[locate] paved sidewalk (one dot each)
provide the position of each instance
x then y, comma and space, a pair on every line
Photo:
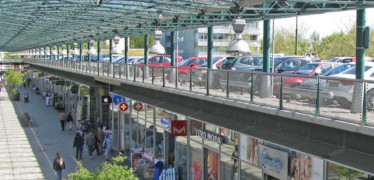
28, 152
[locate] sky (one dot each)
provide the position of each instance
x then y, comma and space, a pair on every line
325, 24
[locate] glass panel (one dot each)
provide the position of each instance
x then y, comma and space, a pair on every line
338, 172
228, 167
194, 126
231, 141
249, 172
212, 131
115, 134
196, 161
181, 148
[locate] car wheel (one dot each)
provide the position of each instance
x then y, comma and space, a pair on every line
370, 100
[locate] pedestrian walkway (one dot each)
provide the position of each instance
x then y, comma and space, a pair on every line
28, 152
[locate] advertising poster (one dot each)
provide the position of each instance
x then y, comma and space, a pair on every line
273, 162
212, 165
249, 149
305, 167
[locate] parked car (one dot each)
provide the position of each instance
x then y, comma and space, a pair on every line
184, 67
342, 90
199, 75
348, 59
244, 63
312, 83
159, 60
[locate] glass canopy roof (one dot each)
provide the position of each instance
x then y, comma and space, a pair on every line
27, 24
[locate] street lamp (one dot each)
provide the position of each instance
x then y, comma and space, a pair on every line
54, 51
92, 50
157, 48
238, 46
75, 49
63, 52
116, 49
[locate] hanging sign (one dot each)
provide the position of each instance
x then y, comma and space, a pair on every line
123, 106
106, 99
179, 128
165, 122
74, 89
209, 136
138, 106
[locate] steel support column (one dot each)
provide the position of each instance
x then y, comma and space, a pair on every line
146, 68
98, 57
127, 69
265, 86
172, 58
210, 59
110, 50
360, 63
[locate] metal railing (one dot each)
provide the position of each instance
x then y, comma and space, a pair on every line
341, 99
10, 61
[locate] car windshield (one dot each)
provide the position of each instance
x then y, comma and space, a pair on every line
338, 69
352, 70
333, 59
276, 61
228, 63
306, 69
186, 62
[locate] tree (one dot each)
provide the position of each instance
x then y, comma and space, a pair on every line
348, 173
14, 78
138, 41
109, 171
9, 56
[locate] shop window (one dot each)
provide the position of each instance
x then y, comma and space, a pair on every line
115, 130
213, 137
181, 150
335, 171
196, 161
249, 172
230, 142
229, 167
211, 164
195, 127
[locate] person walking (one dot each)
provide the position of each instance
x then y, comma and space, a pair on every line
100, 138
78, 144
107, 146
58, 165
69, 120
90, 142
61, 117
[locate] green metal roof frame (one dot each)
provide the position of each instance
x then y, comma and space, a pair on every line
27, 24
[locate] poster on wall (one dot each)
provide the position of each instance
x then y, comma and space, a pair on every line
212, 164
249, 149
305, 167
273, 162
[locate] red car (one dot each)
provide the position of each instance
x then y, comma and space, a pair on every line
192, 62
311, 69
161, 60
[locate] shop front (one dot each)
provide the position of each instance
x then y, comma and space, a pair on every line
203, 151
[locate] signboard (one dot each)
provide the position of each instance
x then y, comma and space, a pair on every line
165, 122
106, 99
305, 166
209, 136
138, 106
249, 149
179, 128
123, 106
273, 162
60, 82
74, 89
117, 99
83, 92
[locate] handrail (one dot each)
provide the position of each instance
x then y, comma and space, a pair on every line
350, 100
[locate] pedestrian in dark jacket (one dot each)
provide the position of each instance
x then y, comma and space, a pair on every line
69, 120
58, 165
78, 144
90, 142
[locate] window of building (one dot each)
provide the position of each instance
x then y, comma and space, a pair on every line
252, 25
253, 37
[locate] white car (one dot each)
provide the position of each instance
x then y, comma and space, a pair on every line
342, 90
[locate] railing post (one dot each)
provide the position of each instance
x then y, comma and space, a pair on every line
113, 72
134, 72
153, 76
228, 85
207, 82
251, 98
281, 95
176, 76
163, 76
191, 80
364, 105
119, 70
318, 99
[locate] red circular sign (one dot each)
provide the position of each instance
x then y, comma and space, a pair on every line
138, 106
123, 106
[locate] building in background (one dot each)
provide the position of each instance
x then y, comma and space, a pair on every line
194, 42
